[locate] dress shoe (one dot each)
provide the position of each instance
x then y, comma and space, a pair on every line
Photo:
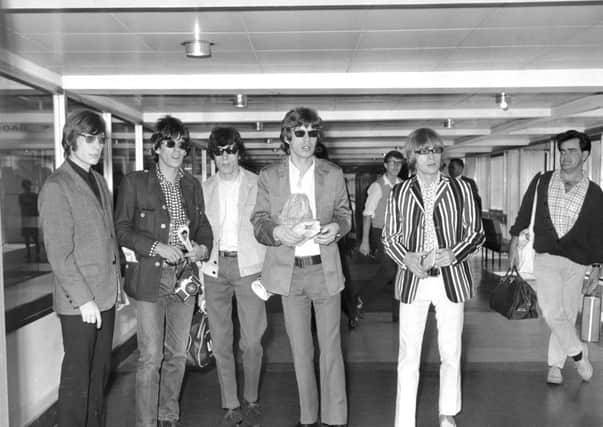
307, 425
554, 376
333, 425
165, 423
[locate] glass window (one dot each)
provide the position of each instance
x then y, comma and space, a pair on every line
26, 160
123, 151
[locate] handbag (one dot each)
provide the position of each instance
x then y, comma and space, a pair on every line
513, 297
199, 349
525, 247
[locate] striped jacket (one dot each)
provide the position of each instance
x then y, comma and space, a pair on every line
458, 226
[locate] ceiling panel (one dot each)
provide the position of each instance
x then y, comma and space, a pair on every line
415, 39
519, 36
588, 36
178, 22
544, 16
304, 41
85, 43
59, 23
432, 18
304, 20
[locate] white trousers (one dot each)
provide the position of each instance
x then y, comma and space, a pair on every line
559, 290
449, 316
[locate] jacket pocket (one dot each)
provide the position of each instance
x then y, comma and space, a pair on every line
131, 278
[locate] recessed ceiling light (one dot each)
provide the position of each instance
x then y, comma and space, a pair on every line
448, 123
259, 126
197, 48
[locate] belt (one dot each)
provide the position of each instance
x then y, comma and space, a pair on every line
306, 261
230, 254
433, 272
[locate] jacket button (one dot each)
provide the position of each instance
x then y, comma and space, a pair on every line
213, 272
157, 264
163, 207
162, 225
142, 214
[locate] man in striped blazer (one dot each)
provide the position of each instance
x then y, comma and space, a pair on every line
432, 226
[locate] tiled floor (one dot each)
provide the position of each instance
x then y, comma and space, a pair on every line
503, 373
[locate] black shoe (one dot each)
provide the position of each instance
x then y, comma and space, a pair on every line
164, 423
307, 425
334, 425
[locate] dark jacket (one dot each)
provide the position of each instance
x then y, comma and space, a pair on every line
583, 243
142, 217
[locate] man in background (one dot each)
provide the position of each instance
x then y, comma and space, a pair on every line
374, 220
455, 170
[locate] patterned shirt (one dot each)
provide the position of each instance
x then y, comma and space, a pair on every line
565, 206
172, 192
428, 191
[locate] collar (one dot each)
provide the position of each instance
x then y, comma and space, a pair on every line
162, 178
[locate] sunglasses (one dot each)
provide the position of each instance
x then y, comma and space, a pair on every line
90, 139
430, 150
228, 149
301, 132
182, 145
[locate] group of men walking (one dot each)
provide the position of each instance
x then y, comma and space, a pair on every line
425, 228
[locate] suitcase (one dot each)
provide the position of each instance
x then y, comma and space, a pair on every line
591, 318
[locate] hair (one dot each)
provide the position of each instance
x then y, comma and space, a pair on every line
168, 127
83, 121
222, 136
393, 154
419, 138
300, 116
26, 184
457, 161
573, 134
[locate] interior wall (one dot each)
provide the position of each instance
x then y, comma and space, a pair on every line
35, 353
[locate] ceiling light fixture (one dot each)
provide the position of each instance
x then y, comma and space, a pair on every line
448, 123
197, 48
259, 126
503, 100
240, 101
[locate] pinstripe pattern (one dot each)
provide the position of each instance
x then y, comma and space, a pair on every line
458, 227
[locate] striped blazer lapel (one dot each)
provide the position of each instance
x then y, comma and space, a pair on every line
415, 191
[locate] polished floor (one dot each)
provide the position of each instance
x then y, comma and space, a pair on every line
504, 371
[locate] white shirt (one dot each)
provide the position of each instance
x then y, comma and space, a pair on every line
229, 213
374, 194
304, 184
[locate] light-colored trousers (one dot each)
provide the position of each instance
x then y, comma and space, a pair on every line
559, 290
449, 316
308, 288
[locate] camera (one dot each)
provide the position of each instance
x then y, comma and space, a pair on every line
187, 287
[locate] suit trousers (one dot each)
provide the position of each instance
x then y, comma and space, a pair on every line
162, 330
559, 290
251, 312
413, 316
308, 288
85, 370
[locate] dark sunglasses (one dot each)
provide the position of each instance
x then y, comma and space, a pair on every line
301, 132
90, 139
183, 145
438, 149
228, 149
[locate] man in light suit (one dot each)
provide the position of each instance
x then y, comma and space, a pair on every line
235, 261
76, 211
305, 272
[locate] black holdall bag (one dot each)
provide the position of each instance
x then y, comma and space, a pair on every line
199, 351
513, 297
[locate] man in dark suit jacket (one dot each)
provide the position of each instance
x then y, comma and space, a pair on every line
455, 170
306, 269
151, 206
76, 211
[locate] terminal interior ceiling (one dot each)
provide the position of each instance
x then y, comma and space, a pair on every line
375, 70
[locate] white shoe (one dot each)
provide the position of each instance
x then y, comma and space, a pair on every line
585, 369
447, 421
554, 376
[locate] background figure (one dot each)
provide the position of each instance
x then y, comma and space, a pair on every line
350, 296
28, 202
455, 170
374, 220
151, 207
568, 238
432, 226
307, 273
236, 261
77, 219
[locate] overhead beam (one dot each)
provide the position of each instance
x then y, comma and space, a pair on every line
515, 81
